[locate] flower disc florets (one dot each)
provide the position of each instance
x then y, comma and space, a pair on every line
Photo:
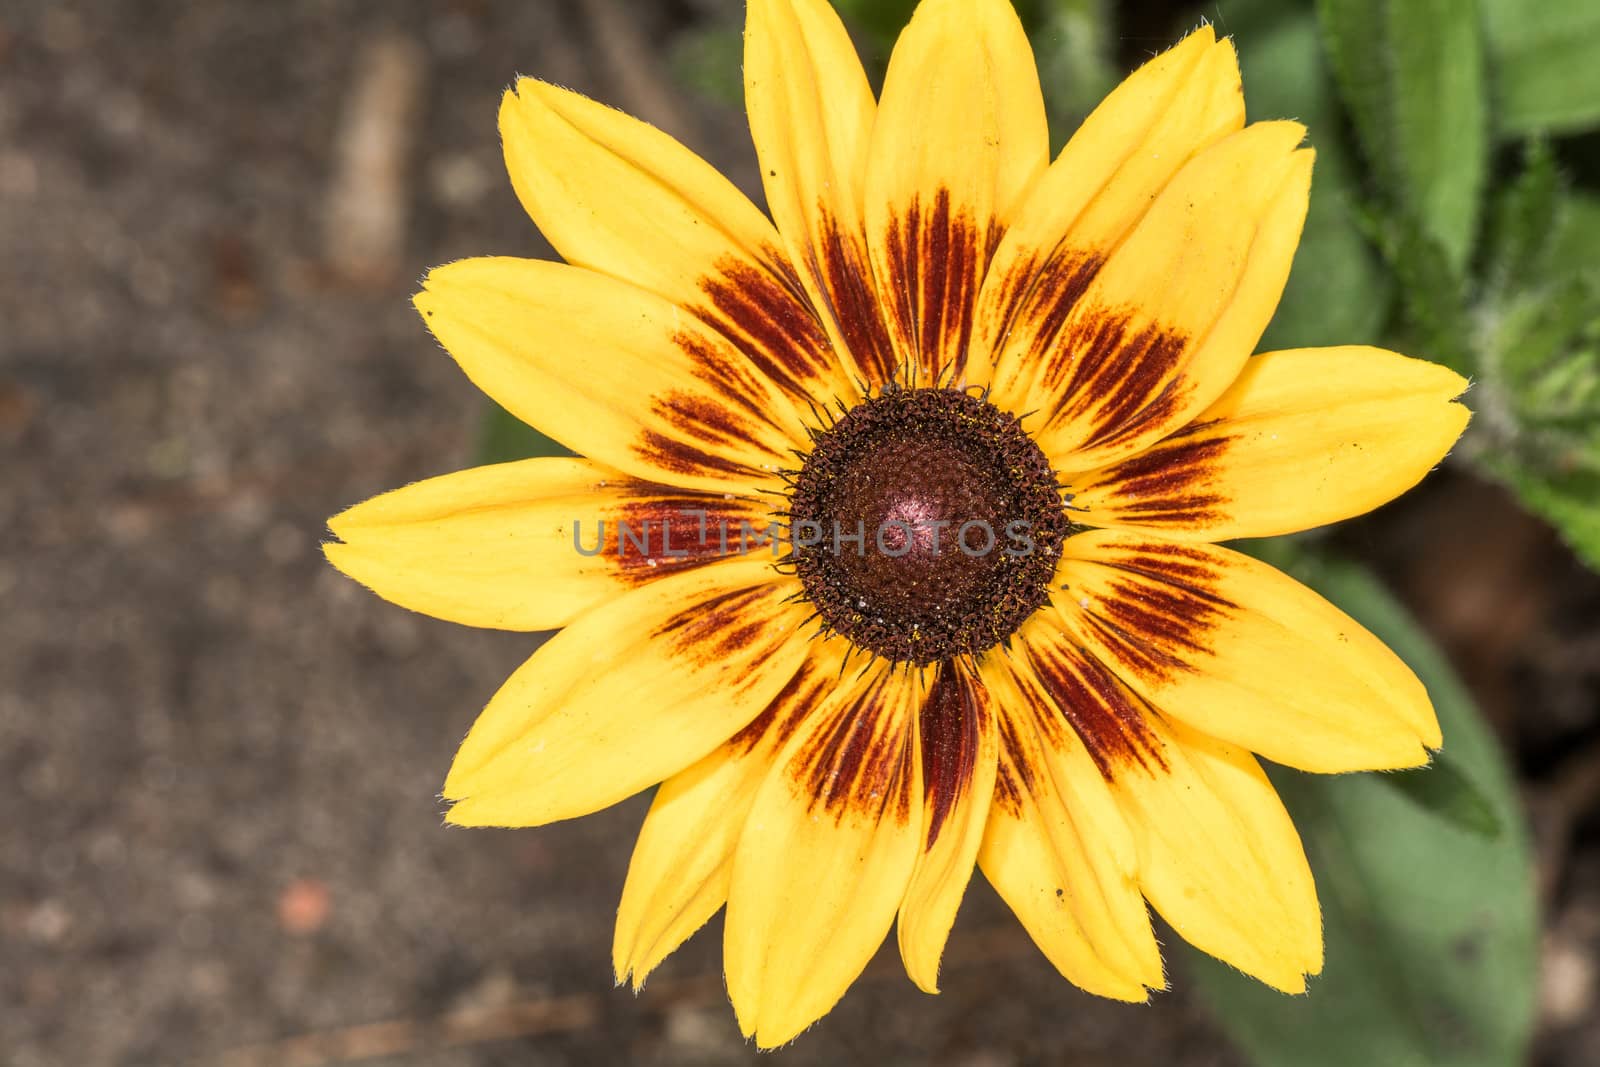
926, 524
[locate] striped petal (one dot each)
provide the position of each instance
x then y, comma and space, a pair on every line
939, 192
617, 195
683, 861
1235, 648
957, 746
1213, 848
811, 116
612, 372
529, 545
1303, 438
825, 857
1219, 857
1100, 186
1057, 849
1127, 352
629, 695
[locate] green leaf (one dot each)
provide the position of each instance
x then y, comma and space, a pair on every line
1523, 221
1353, 36
1441, 116
1412, 75
1433, 296
1338, 292
1538, 395
1545, 61
1546, 354
1431, 929
502, 437
1443, 789
1577, 236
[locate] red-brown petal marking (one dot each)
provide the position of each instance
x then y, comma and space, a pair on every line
777, 722
764, 311
936, 259
1077, 693
1121, 375
1015, 775
1171, 483
858, 760
1110, 367
1046, 293
1158, 610
951, 731
726, 624
663, 530
845, 274
707, 426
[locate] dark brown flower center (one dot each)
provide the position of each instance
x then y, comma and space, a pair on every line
926, 524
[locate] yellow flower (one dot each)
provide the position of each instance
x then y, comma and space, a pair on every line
940, 332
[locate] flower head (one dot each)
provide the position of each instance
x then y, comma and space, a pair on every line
892, 553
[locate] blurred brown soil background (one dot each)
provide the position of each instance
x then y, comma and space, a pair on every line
223, 843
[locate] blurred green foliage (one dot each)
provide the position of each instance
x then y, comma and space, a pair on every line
1543, 55
1453, 105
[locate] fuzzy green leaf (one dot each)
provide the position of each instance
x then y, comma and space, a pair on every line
1523, 221
1539, 339
1546, 352
1354, 35
1432, 293
1412, 75
1441, 116
1431, 929
1545, 59
1575, 247
1338, 292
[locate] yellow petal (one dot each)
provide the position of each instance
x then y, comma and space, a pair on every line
683, 861
957, 746
1233, 647
1101, 185
612, 372
1220, 859
619, 196
825, 857
629, 695
1057, 849
1162, 328
1303, 438
960, 137
528, 545
811, 116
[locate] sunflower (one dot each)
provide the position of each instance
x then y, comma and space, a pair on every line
893, 550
